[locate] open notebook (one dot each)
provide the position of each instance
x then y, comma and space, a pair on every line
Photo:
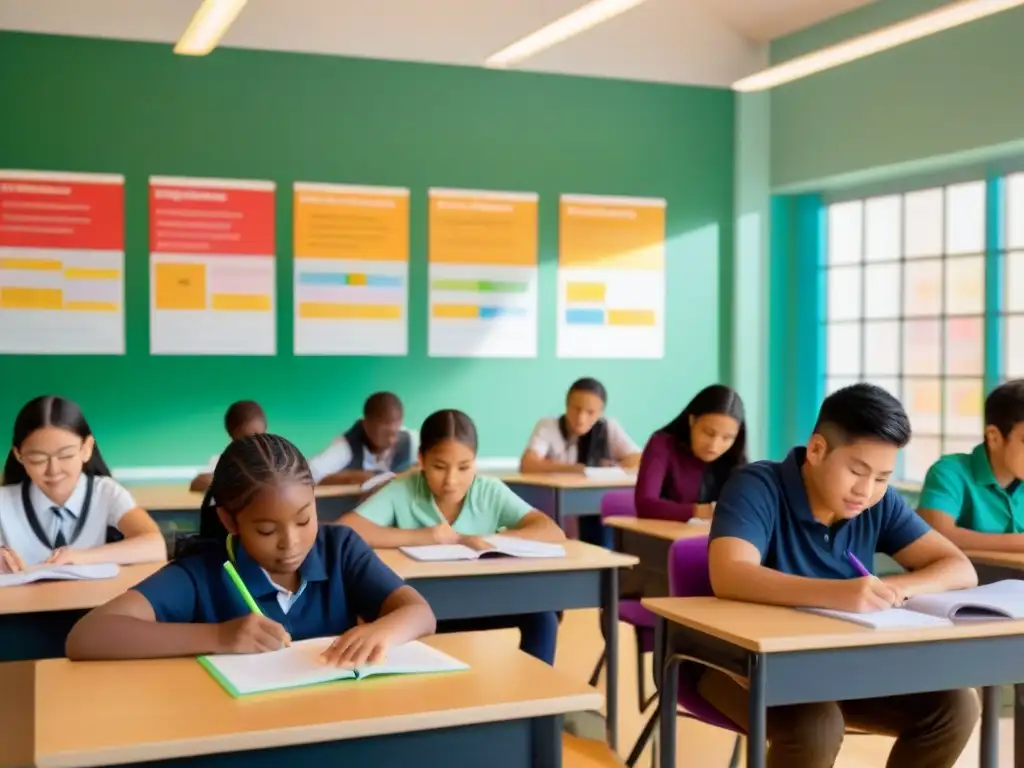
299, 665
504, 546
60, 573
999, 600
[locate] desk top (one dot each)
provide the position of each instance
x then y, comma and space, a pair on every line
48, 596
578, 557
669, 530
129, 717
157, 498
1002, 559
568, 481
771, 629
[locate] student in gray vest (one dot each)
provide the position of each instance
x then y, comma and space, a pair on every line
375, 444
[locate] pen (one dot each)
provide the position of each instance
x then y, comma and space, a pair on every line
857, 564
242, 589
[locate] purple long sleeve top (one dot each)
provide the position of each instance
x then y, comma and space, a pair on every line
668, 482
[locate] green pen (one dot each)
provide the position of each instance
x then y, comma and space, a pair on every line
242, 589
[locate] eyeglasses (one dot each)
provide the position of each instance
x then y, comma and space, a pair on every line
40, 459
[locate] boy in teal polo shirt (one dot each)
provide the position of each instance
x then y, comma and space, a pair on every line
977, 499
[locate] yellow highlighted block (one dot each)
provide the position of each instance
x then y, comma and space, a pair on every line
631, 317
41, 265
589, 292
595, 235
351, 225
92, 306
31, 298
81, 273
357, 279
324, 310
243, 302
456, 311
180, 286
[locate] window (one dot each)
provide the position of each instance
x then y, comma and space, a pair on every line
1013, 279
905, 309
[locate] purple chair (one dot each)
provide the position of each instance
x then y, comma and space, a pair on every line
619, 503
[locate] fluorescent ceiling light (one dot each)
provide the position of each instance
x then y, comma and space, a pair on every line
583, 18
208, 26
939, 20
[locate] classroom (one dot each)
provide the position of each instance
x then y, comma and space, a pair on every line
397, 350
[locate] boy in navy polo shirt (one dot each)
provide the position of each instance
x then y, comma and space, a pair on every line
780, 534
308, 582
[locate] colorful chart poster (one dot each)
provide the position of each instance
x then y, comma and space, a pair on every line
482, 256
61, 263
611, 277
212, 266
351, 270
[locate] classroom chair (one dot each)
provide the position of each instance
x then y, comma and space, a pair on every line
620, 503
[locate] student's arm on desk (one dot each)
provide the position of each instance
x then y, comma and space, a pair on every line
374, 520
201, 482
650, 479
347, 477
143, 543
533, 463
514, 516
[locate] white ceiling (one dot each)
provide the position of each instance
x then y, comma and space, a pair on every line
702, 42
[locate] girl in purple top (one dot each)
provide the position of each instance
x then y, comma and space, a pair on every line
686, 462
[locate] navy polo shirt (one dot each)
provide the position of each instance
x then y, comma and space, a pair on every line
340, 579
765, 503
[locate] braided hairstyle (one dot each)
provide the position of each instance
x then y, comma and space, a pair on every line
247, 466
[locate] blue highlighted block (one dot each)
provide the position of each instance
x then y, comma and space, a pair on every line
585, 316
323, 278
492, 313
383, 281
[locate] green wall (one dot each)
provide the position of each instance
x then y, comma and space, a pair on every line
133, 108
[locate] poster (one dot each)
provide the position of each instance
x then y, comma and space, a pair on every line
351, 270
61, 263
611, 277
212, 264
482, 254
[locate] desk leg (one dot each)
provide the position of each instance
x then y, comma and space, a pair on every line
1018, 725
757, 730
990, 706
610, 599
667, 703
547, 742
559, 508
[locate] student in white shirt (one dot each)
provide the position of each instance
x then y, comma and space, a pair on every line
582, 437
59, 501
243, 418
376, 444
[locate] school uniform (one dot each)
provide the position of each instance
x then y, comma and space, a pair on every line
490, 506
963, 486
352, 451
34, 526
340, 580
766, 505
671, 481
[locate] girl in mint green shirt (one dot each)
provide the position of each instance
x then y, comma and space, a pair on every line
446, 502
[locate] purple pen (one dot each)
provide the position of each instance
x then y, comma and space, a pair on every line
857, 564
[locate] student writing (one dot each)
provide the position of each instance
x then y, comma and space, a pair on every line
376, 443
448, 503
243, 418
976, 499
779, 535
59, 501
686, 462
308, 581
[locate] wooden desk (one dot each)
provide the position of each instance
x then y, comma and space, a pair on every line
649, 541
792, 657
35, 619
587, 577
996, 566
506, 711
564, 496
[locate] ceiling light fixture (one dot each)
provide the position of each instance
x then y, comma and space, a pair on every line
939, 20
208, 26
583, 18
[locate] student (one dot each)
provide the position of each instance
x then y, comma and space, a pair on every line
780, 534
308, 581
448, 503
244, 418
582, 437
686, 462
375, 444
59, 500
976, 499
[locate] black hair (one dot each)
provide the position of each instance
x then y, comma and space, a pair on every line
863, 411
717, 398
448, 424
1004, 406
241, 413
247, 466
381, 404
592, 448
591, 385
50, 411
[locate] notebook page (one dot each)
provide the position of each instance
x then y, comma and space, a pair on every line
291, 667
606, 473
1001, 599
893, 618
440, 552
411, 658
516, 547
84, 572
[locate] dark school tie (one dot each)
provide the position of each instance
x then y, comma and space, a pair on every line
59, 540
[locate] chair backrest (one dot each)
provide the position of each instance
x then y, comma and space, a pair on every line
688, 568
618, 503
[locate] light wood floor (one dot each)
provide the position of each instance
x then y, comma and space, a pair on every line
701, 746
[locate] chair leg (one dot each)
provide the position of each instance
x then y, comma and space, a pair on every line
596, 674
641, 742
641, 685
737, 752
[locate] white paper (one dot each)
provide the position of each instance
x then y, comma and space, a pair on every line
504, 546
999, 600
84, 572
892, 618
607, 473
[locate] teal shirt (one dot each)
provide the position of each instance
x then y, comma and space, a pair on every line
962, 485
407, 503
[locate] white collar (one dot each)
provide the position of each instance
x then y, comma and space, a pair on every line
73, 506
